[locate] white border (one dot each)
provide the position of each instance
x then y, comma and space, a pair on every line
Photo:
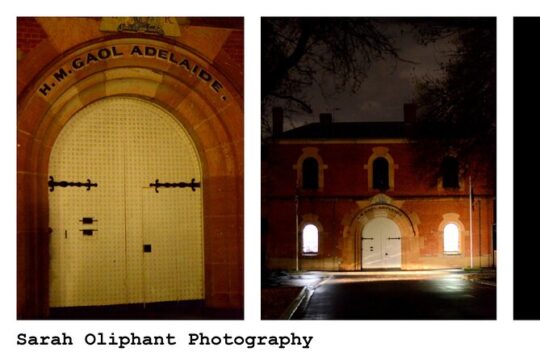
357, 339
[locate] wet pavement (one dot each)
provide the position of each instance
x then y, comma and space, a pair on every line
415, 295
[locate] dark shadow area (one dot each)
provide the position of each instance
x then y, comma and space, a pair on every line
276, 300
526, 248
183, 310
279, 289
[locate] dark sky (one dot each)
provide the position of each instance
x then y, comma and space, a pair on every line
390, 83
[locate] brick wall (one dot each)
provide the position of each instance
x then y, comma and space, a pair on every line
234, 47
29, 33
346, 174
222, 22
338, 204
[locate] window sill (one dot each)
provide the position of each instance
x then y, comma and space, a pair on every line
310, 191
452, 253
310, 254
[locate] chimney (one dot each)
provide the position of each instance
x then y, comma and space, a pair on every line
326, 123
409, 113
277, 121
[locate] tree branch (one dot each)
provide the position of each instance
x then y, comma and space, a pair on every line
283, 68
300, 102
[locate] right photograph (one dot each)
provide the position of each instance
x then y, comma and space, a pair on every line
525, 244
378, 169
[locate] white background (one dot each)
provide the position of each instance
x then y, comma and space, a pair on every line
503, 338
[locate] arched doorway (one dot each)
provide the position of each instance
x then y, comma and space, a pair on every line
117, 236
213, 117
381, 244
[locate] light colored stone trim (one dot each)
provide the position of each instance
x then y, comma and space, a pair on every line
308, 152
355, 222
381, 151
310, 219
451, 218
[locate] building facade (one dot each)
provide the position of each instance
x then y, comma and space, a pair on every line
350, 196
129, 162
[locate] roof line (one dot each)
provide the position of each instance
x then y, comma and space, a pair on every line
342, 141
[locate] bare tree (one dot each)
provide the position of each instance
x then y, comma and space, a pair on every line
457, 112
298, 52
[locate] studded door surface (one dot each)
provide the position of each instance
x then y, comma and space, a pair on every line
391, 238
123, 145
371, 248
381, 244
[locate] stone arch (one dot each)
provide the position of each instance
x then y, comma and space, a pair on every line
452, 218
310, 152
311, 219
354, 224
381, 152
213, 119
451, 157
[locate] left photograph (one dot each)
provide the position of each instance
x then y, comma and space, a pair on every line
130, 168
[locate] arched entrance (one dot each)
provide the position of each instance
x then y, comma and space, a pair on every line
384, 225
122, 239
381, 244
205, 107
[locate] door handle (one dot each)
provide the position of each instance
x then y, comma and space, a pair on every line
88, 220
52, 184
191, 185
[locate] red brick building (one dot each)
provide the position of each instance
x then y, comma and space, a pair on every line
129, 162
349, 196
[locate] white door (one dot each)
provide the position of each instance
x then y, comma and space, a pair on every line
381, 244
119, 240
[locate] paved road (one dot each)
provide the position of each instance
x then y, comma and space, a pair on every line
342, 297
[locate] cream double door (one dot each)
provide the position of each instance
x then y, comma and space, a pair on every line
115, 239
381, 244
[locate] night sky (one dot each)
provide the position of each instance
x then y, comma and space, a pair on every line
390, 83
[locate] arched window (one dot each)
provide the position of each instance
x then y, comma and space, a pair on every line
310, 240
451, 238
381, 170
450, 172
310, 174
310, 170
380, 173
